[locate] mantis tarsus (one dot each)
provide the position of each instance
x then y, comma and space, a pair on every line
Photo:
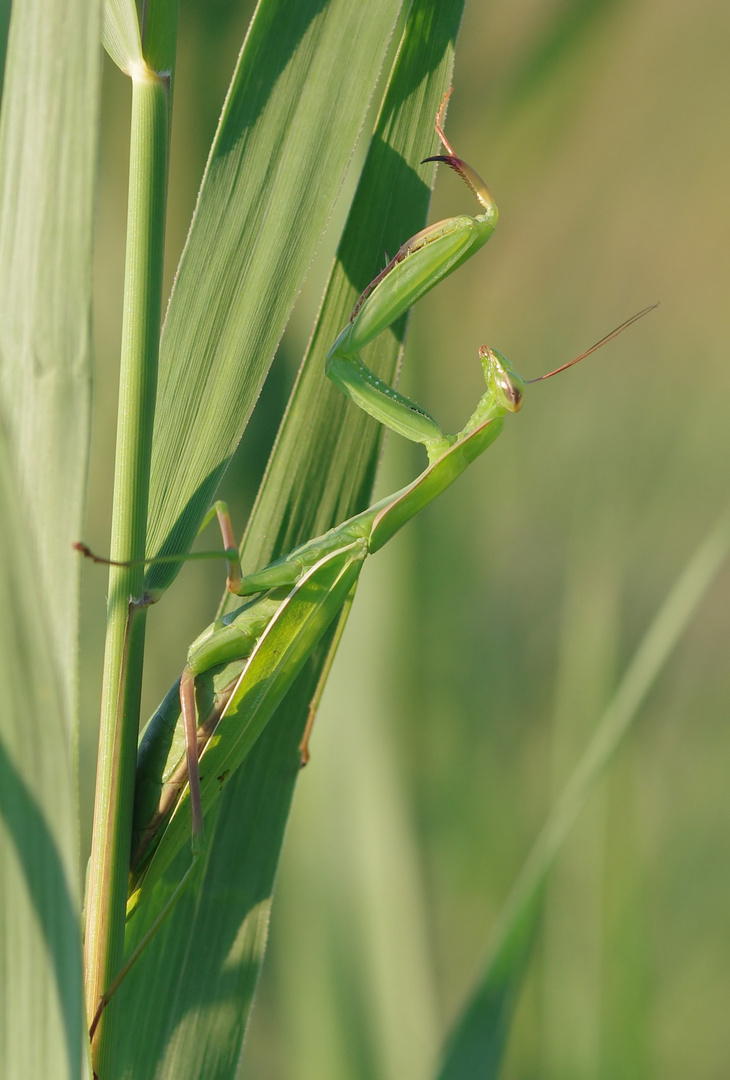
295, 599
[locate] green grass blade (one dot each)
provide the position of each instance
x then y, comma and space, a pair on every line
160, 35
48, 154
120, 34
212, 946
42, 1019
476, 1046
288, 128
571, 1042
350, 968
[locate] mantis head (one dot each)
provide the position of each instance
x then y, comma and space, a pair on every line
506, 387
502, 379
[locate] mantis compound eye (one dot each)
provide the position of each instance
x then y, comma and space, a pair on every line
510, 389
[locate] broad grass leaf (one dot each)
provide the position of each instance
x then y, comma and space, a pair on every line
42, 1018
48, 156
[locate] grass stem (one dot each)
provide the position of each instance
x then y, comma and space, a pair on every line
109, 867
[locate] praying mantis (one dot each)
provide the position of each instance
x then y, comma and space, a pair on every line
242, 665
296, 598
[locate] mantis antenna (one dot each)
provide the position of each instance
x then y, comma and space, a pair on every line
604, 341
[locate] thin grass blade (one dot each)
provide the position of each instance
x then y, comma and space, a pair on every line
476, 1047
351, 967
120, 34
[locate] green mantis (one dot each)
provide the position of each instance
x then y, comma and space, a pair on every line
242, 665
239, 669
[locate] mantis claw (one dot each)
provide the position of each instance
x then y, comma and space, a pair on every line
470, 177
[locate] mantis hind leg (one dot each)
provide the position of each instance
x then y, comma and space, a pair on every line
190, 725
220, 510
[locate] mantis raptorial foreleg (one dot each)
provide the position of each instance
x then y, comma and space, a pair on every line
420, 264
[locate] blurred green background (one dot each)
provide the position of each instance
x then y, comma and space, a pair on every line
486, 639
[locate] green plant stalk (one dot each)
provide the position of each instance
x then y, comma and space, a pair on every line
107, 888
